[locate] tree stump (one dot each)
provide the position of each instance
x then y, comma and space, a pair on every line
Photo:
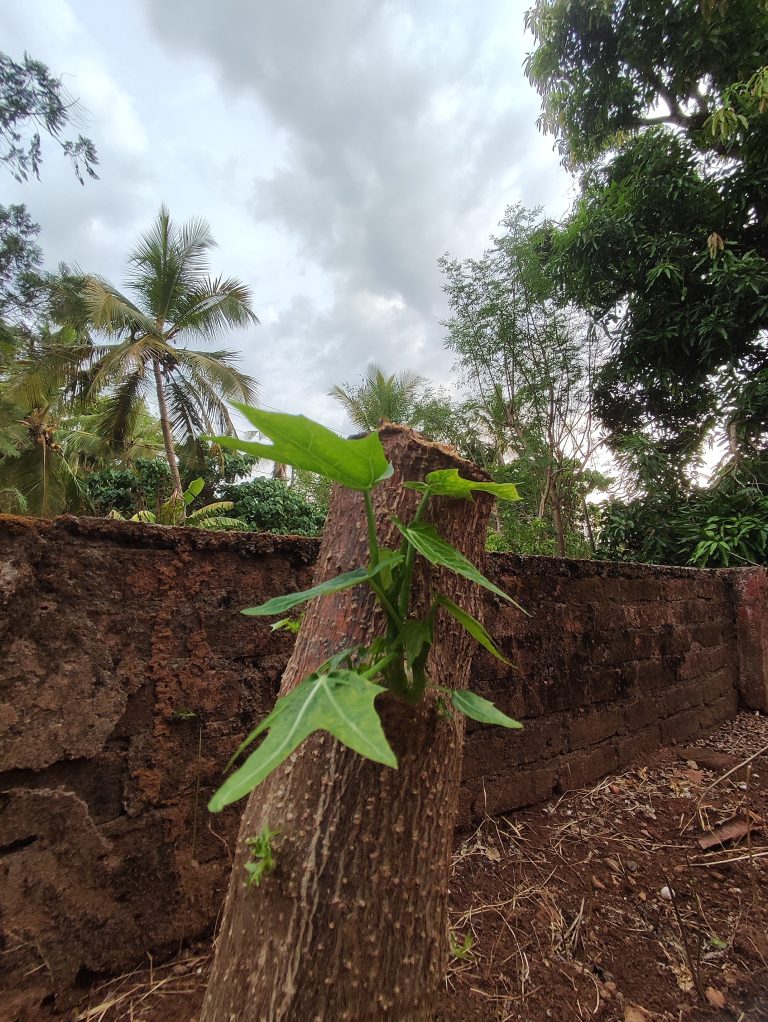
352, 924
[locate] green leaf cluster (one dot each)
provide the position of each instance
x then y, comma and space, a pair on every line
269, 505
297, 441
663, 109
713, 528
339, 698
261, 859
173, 511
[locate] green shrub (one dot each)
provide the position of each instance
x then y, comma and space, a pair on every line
708, 528
269, 505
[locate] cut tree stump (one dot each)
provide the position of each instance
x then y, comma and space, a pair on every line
352, 924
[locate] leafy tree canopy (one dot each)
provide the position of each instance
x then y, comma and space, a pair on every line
606, 68
664, 107
21, 259
708, 528
529, 366
33, 100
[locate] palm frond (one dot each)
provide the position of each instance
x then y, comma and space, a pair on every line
118, 414
14, 436
116, 361
212, 407
218, 370
209, 511
213, 306
168, 262
41, 380
13, 501
113, 312
379, 397
48, 482
188, 419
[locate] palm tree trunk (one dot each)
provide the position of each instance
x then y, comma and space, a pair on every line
165, 426
353, 923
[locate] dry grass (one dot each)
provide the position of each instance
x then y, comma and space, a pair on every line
131, 997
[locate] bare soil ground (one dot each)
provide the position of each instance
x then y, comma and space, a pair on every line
642, 898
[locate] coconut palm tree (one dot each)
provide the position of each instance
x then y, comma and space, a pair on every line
48, 446
380, 397
170, 299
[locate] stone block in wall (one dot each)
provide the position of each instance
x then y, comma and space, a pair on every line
680, 727
620, 647
721, 709
606, 683
750, 592
505, 792
630, 748
682, 696
701, 663
650, 674
589, 727
719, 683
641, 712
587, 765
494, 751
710, 633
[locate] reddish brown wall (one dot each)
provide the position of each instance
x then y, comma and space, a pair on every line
127, 677
614, 660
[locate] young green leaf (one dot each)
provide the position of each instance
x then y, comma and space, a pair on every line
431, 545
262, 858
281, 604
194, 489
415, 637
474, 706
302, 443
446, 482
287, 624
472, 625
340, 702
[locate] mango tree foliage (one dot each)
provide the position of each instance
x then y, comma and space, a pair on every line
32, 98
663, 108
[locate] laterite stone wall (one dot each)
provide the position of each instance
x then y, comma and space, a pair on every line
127, 678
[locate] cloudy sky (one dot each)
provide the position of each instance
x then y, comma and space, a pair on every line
337, 149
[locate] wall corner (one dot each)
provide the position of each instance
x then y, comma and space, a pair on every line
750, 600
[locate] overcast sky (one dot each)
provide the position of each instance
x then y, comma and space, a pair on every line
337, 149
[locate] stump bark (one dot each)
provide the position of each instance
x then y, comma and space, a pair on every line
352, 925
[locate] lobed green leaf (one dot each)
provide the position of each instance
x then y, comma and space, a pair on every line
446, 482
338, 701
415, 637
302, 443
